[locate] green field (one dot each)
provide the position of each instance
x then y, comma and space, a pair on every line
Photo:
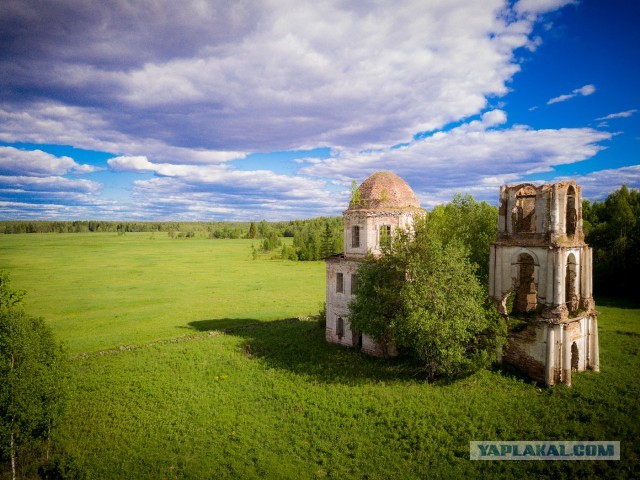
186, 401
103, 290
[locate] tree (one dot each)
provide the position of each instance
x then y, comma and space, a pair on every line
473, 224
32, 377
377, 302
327, 241
422, 295
253, 231
612, 229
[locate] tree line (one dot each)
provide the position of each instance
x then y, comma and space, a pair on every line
612, 229
313, 239
211, 229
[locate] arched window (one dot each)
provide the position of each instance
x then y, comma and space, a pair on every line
572, 211
526, 298
523, 215
571, 296
340, 327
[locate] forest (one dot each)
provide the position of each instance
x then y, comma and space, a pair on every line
612, 229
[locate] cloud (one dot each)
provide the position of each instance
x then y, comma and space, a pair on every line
582, 91
178, 92
237, 77
598, 185
38, 163
33, 181
537, 7
130, 164
625, 114
52, 123
192, 192
470, 158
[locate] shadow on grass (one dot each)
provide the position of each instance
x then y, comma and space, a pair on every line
222, 324
300, 347
512, 372
623, 303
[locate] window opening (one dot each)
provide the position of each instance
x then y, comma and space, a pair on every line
570, 292
523, 215
355, 236
385, 235
340, 327
526, 297
340, 283
572, 212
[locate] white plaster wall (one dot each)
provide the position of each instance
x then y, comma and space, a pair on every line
351, 220
370, 223
338, 303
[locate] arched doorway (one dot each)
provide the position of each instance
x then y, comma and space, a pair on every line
526, 298
571, 297
575, 357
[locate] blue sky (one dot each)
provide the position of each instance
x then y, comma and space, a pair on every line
215, 110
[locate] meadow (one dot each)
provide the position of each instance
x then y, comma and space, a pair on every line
102, 290
162, 384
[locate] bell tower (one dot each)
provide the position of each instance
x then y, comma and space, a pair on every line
541, 274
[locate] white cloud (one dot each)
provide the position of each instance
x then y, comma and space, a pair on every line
193, 192
469, 158
252, 76
59, 185
582, 91
137, 164
38, 163
53, 123
625, 114
538, 7
598, 185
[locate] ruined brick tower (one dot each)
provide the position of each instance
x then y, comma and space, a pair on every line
384, 202
540, 260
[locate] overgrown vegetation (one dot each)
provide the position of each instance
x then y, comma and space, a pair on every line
612, 229
424, 294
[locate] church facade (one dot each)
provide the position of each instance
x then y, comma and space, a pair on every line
384, 203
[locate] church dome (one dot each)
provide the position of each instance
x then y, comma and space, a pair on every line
383, 190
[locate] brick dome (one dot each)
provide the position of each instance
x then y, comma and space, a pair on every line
384, 190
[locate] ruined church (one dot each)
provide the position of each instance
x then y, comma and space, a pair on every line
540, 272
542, 265
385, 202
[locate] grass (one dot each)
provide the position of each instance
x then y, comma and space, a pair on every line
103, 290
197, 405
